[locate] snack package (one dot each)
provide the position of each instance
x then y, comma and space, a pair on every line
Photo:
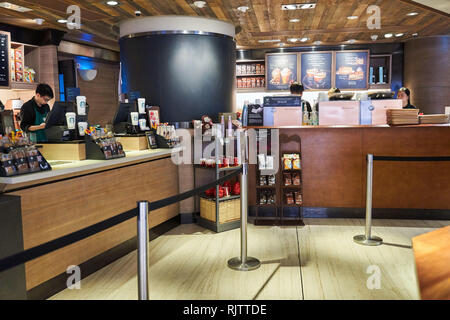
296, 163
19, 76
289, 198
19, 66
26, 75
18, 55
269, 162
271, 199
287, 162
287, 179
262, 181
32, 75
262, 161
298, 198
296, 179
262, 198
271, 181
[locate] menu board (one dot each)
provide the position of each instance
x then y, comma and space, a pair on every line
4, 60
317, 70
281, 70
351, 69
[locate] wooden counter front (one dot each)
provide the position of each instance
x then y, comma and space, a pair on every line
334, 166
56, 208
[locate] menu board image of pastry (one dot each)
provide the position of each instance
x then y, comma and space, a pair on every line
281, 70
351, 69
316, 71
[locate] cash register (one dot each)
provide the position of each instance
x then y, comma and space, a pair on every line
56, 127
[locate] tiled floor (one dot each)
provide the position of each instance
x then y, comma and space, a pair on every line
317, 261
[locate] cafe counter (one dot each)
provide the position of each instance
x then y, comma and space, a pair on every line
76, 194
334, 170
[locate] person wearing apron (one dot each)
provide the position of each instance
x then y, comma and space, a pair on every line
34, 112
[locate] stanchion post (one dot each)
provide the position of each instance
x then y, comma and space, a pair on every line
368, 239
143, 239
244, 263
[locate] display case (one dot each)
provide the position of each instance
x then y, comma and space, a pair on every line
219, 211
24, 66
276, 193
250, 75
380, 71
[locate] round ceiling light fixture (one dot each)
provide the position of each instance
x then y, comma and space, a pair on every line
415, 34
304, 39
411, 14
112, 3
200, 4
388, 35
292, 39
399, 34
294, 20
317, 42
243, 8
62, 21
352, 17
351, 41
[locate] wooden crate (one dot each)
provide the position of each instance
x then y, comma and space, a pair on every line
229, 210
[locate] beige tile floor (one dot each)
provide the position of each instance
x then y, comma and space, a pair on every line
317, 261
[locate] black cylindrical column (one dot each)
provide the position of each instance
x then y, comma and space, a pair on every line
184, 65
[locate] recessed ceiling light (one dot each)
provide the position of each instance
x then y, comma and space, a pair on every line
388, 35
14, 7
62, 21
243, 8
264, 41
415, 34
412, 14
399, 34
39, 21
112, 3
294, 20
298, 6
304, 39
352, 17
199, 4
351, 41
281, 44
292, 39
317, 42
374, 37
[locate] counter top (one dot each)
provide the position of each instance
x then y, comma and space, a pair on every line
351, 126
65, 169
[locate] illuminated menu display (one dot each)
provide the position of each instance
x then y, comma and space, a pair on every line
4, 60
351, 70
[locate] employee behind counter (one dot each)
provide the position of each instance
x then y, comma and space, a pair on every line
34, 112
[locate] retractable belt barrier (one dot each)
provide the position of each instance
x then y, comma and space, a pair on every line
43, 249
367, 239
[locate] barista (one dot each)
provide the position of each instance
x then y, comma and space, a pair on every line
297, 89
404, 94
34, 112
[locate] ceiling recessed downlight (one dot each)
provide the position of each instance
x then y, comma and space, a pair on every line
399, 34
411, 14
298, 6
294, 20
269, 40
112, 3
62, 21
243, 8
14, 7
39, 21
415, 34
200, 4
304, 39
292, 39
352, 17
317, 42
351, 41
388, 35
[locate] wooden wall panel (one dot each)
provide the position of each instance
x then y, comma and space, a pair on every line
54, 210
101, 93
427, 73
48, 68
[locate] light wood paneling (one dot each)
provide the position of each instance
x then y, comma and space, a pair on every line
133, 143
264, 20
64, 151
54, 210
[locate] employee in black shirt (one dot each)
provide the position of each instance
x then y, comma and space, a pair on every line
404, 94
34, 112
297, 89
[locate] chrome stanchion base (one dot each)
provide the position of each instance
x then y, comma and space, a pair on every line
250, 264
373, 241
